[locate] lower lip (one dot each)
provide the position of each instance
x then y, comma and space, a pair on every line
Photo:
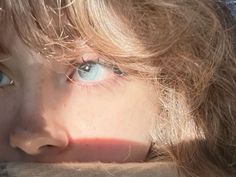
103, 150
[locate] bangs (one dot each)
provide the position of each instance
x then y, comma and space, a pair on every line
137, 35
54, 28
42, 27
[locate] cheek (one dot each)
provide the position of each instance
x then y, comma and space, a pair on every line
127, 113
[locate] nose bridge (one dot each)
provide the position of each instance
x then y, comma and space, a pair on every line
35, 95
39, 85
36, 101
33, 116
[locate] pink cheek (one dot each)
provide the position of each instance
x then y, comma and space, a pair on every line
109, 150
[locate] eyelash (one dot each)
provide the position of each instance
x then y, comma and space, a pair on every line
116, 77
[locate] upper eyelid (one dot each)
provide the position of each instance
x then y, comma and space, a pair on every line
94, 57
75, 63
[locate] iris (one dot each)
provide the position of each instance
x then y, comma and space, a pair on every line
90, 71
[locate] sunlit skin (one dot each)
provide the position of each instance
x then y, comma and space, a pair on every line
49, 114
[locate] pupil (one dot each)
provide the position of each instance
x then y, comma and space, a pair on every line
86, 67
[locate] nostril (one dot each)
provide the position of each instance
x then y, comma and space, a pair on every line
38, 144
48, 149
49, 146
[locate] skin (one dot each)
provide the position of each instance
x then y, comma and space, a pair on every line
47, 117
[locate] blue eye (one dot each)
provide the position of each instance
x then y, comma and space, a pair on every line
4, 80
89, 71
92, 72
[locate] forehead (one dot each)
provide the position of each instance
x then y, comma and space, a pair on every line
10, 43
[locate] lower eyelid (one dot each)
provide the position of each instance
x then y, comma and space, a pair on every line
107, 84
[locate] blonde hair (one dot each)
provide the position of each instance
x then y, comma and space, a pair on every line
186, 48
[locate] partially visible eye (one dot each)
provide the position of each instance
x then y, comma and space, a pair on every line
5, 80
90, 72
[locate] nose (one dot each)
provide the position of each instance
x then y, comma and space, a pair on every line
46, 140
37, 128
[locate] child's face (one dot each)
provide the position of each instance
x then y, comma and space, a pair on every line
50, 112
